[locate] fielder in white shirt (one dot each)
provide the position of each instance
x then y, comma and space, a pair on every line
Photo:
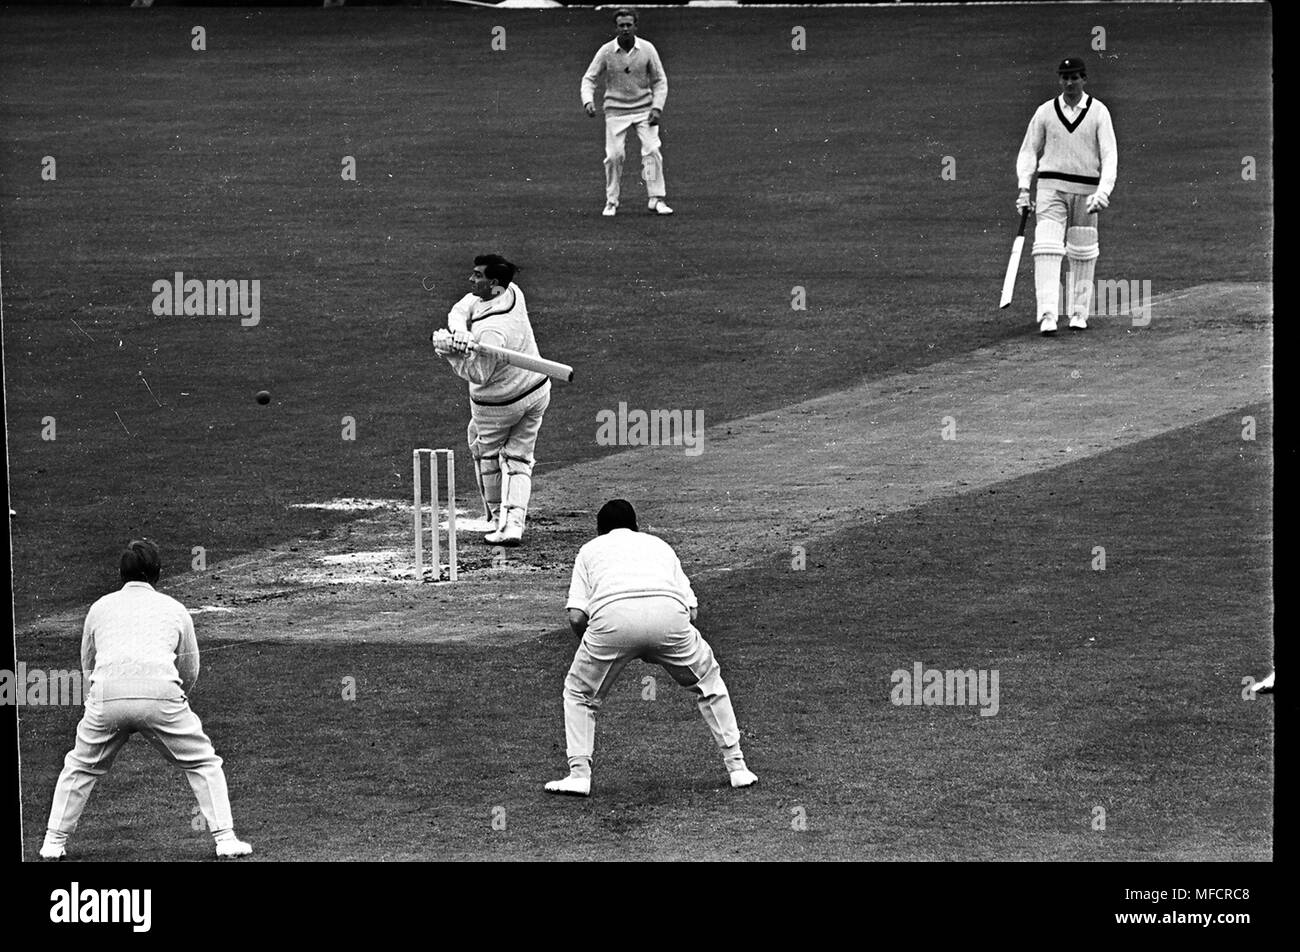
1070, 144
630, 599
636, 89
140, 658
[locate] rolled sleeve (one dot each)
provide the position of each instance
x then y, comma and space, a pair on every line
187, 654
579, 588
684, 583
88, 648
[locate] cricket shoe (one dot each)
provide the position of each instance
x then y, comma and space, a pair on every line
660, 207
229, 849
743, 778
1047, 326
53, 854
1078, 322
498, 524
510, 534
570, 785
610, 210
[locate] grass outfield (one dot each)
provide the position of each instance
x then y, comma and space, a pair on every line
1117, 689
820, 170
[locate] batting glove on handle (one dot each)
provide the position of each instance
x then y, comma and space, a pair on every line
462, 342
1097, 201
442, 345
1023, 201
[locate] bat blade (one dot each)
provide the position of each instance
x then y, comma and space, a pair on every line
1013, 266
1009, 282
552, 368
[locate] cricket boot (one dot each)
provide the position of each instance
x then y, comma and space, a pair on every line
512, 533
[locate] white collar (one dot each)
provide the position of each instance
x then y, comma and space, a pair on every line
1083, 102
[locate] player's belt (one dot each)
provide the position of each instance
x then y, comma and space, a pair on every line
1067, 177
505, 403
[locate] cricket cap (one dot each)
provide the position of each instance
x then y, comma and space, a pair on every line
1072, 64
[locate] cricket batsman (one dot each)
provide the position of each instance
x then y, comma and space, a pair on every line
507, 403
1070, 144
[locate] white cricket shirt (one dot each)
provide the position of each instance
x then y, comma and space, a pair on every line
139, 643
626, 564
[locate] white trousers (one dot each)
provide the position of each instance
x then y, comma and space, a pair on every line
170, 726
658, 630
652, 160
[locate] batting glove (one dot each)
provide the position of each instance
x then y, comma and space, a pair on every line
442, 344
654, 117
1023, 201
1097, 201
462, 342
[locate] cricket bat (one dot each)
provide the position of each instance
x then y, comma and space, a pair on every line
1009, 282
541, 365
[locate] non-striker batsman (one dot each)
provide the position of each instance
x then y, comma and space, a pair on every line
1070, 143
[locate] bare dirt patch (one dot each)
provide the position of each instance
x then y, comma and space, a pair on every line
766, 483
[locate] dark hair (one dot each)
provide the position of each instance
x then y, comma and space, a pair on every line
624, 12
497, 268
141, 562
615, 514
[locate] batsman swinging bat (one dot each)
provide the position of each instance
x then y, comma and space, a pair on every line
540, 364
1009, 282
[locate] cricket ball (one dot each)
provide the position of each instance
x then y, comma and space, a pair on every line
264, 397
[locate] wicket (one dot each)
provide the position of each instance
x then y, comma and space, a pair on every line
416, 463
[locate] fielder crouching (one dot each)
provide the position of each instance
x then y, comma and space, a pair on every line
628, 599
141, 660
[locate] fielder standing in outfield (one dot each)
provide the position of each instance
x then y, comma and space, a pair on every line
506, 403
636, 88
140, 658
630, 599
1070, 143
